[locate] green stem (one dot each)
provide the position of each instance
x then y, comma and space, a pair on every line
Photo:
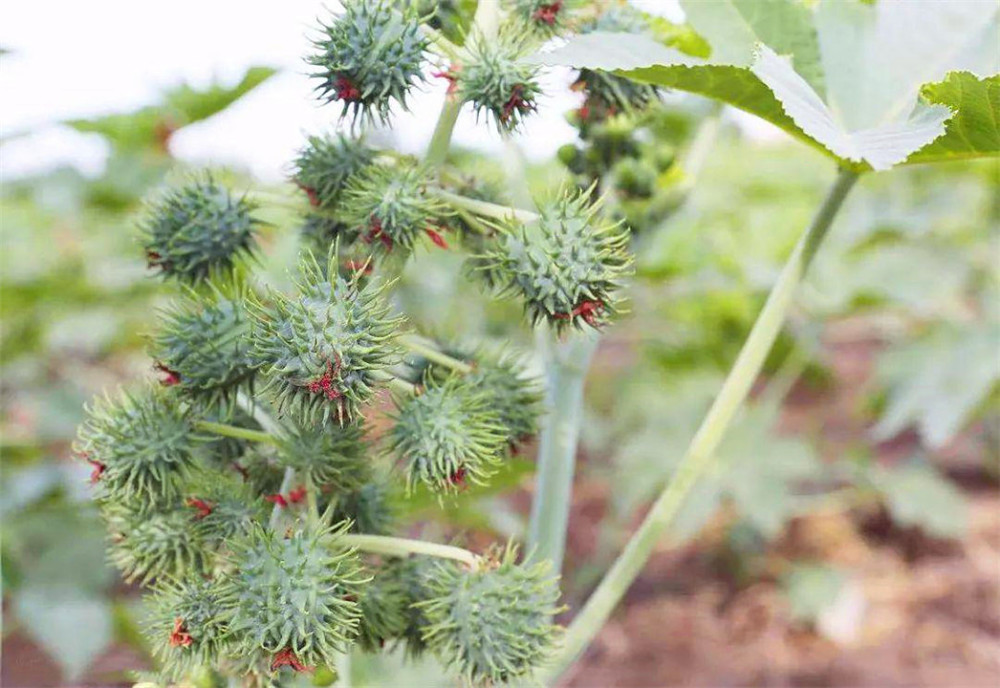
234, 431
271, 426
484, 208
344, 669
437, 151
397, 384
422, 347
401, 547
286, 486
567, 369
698, 457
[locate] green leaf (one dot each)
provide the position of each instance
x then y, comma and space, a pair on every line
861, 84
917, 495
974, 130
938, 382
72, 626
151, 126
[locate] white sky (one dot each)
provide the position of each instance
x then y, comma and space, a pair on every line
73, 58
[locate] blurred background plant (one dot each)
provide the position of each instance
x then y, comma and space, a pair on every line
868, 457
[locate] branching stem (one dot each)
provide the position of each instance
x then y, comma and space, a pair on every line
422, 347
235, 432
401, 547
699, 454
484, 208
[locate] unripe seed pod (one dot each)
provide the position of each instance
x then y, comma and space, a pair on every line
492, 624
295, 597
334, 457
368, 57
567, 267
142, 447
321, 350
389, 207
197, 230
384, 614
147, 546
496, 82
325, 165
447, 435
202, 345
222, 507
545, 17
186, 625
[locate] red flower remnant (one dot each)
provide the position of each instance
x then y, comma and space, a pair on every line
98, 470
436, 238
324, 383
203, 507
241, 470
451, 75
587, 310
458, 478
546, 14
297, 495
287, 658
153, 260
516, 103
170, 377
375, 232
346, 90
180, 637
311, 193
276, 499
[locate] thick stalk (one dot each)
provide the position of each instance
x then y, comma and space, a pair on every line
286, 484
401, 547
422, 347
235, 432
437, 151
567, 369
484, 208
698, 457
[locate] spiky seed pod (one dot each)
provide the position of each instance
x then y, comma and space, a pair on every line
545, 17
368, 57
497, 83
389, 207
326, 163
384, 614
141, 446
186, 624
202, 344
369, 509
259, 471
413, 574
147, 546
608, 94
322, 349
222, 506
327, 456
320, 232
197, 230
493, 624
295, 597
568, 266
448, 435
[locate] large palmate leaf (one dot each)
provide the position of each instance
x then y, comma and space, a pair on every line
151, 126
872, 85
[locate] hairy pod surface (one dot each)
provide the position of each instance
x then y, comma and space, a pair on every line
186, 624
322, 349
326, 163
447, 436
147, 546
327, 456
197, 230
141, 446
388, 207
369, 57
497, 83
295, 597
384, 615
413, 574
222, 506
547, 18
202, 345
567, 267
492, 624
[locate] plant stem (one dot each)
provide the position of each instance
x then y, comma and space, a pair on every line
234, 431
271, 426
437, 151
733, 393
422, 347
484, 208
286, 485
567, 369
397, 384
401, 547
344, 669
